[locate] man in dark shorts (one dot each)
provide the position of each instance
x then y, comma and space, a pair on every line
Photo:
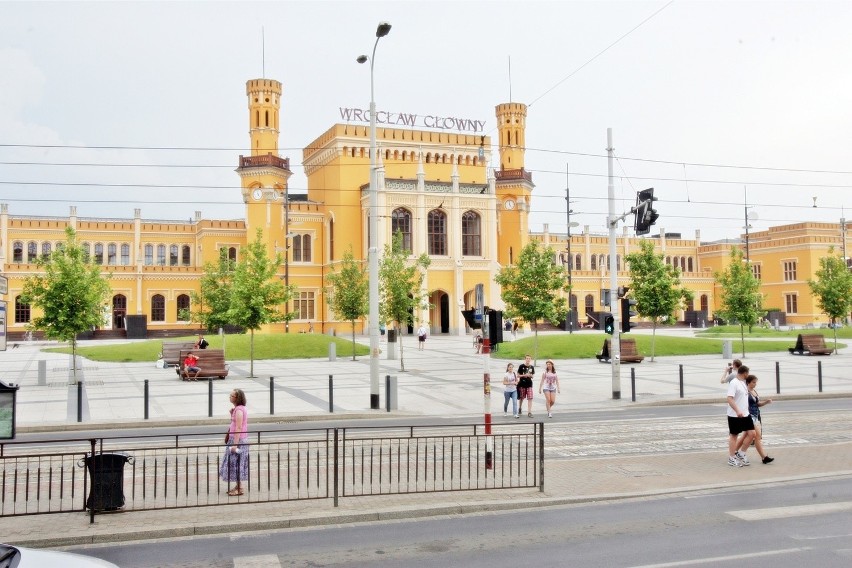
526, 370
739, 420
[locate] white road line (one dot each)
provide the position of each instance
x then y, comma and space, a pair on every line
795, 511
265, 561
723, 558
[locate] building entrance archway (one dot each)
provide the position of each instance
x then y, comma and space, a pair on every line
119, 310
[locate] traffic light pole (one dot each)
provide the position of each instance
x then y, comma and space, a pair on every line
612, 221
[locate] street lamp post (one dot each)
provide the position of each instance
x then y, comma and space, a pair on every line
287, 256
569, 322
373, 245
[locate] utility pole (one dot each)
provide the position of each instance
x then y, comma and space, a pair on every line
612, 220
569, 321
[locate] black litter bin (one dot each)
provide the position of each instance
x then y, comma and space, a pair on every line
106, 474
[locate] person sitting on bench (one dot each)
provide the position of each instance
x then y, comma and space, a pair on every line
190, 365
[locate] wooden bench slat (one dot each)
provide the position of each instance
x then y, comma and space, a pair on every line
171, 351
810, 344
628, 352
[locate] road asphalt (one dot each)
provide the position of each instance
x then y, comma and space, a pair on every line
444, 380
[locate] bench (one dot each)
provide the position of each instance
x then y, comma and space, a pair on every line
210, 361
171, 351
628, 352
810, 344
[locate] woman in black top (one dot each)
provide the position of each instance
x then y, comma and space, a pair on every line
526, 370
754, 404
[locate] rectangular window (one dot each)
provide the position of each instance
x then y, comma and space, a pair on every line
792, 303
125, 254
755, 268
789, 270
304, 306
149, 255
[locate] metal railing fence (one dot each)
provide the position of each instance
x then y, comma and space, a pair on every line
163, 472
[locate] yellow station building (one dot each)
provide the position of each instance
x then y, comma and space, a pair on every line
447, 194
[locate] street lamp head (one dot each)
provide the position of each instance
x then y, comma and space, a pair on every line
362, 59
383, 29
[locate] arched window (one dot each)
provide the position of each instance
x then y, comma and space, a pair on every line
590, 303
125, 254
22, 311
45, 249
158, 308
185, 250
683, 264
617, 262
99, 253
668, 260
32, 251
173, 255
602, 264
112, 254
689, 264
149, 255
297, 248
232, 254
573, 302
436, 226
471, 234
401, 222
17, 251
578, 262
161, 255
594, 263
306, 248
704, 303
182, 308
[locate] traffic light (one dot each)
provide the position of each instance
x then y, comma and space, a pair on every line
627, 311
609, 324
646, 215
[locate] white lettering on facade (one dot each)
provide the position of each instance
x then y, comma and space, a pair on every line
412, 120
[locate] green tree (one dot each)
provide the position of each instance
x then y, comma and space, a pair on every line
258, 293
740, 299
655, 286
400, 283
213, 300
70, 294
348, 292
833, 288
531, 288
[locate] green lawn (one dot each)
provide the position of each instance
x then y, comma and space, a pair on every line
585, 345
266, 346
731, 331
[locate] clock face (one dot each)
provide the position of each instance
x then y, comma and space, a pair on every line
509, 204
257, 193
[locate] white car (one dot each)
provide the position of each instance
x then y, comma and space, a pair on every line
18, 557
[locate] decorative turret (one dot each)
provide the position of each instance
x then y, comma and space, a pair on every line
264, 97
512, 123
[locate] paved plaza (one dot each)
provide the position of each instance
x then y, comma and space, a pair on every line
602, 458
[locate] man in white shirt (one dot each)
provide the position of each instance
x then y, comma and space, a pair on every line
421, 337
739, 420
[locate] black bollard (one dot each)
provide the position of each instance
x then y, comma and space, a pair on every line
819, 374
681, 381
633, 383
777, 377
387, 393
79, 401
210, 398
146, 399
331, 393
271, 395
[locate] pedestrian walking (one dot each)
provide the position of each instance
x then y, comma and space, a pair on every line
421, 337
510, 390
740, 424
549, 384
526, 371
201, 343
754, 404
235, 461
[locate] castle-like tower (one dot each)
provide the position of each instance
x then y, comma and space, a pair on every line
264, 173
513, 183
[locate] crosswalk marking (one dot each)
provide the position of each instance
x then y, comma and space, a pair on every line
795, 511
717, 559
264, 561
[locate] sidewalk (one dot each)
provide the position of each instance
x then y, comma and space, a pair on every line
444, 380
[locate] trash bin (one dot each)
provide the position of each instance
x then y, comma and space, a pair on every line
392, 339
106, 475
727, 349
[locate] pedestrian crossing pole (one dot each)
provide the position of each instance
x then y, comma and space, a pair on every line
612, 221
486, 391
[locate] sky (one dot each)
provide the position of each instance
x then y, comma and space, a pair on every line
113, 106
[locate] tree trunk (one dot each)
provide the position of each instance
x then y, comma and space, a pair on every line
353, 339
653, 337
74, 361
399, 341
535, 343
834, 327
742, 339
251, 355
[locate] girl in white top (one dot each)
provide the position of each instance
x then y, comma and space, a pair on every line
510, 390
549, 384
